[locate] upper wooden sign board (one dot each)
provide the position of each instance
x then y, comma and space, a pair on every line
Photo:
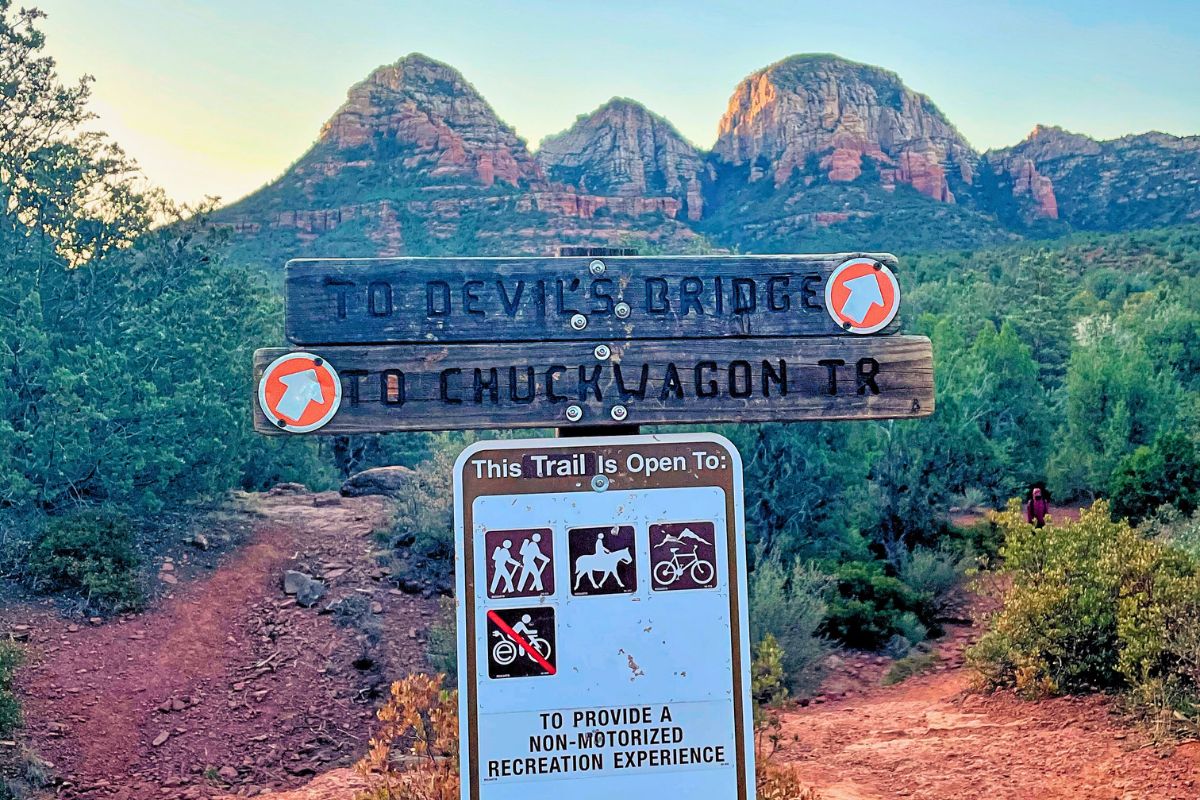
432, 300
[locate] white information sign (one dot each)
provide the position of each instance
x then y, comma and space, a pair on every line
602, 619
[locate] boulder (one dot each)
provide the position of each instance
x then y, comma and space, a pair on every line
388, 481
307, 589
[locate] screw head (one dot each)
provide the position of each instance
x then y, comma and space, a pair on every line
574, 413
578, 322
599, 482
619, 413
602, 352
596, 267
621, 310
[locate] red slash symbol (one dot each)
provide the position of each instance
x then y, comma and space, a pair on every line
522, 642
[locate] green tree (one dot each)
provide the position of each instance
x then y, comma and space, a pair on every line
1117, 400
124, 348
1166, 472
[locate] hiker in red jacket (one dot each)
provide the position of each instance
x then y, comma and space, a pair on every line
1036, 508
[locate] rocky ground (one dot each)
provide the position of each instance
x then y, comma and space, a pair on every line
229, 688
227, 685
932, 738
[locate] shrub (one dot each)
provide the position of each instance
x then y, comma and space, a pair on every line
11, 657
767, 685
1095, 605
934, 574
1171, 527
910, 666
89, 552
424, 716
442, 647
869, 608
789, 606
1164, 472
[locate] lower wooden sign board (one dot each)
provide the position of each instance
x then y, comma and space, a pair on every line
603, 643
560, 384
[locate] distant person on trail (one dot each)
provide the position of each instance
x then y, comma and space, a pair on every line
1037, 507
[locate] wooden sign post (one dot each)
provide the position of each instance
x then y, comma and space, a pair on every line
601, 582
598, 342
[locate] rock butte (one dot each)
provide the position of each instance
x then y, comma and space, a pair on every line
416, 162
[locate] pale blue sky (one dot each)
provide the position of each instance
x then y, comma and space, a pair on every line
219, 97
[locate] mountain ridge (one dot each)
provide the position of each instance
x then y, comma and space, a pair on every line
813, 151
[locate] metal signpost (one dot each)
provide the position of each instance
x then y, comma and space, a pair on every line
602, 619
601, 580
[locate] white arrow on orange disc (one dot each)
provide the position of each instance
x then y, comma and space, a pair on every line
299, 392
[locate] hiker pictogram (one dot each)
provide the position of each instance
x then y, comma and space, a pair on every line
299, 392
520, 562
862, 295
683, 555
521, 642
602, 560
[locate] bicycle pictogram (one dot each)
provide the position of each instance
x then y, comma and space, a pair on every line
684, 556
521, 642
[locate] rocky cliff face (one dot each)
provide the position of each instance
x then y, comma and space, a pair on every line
824, 115
425, 115
1135, 181
814, 152
622, 149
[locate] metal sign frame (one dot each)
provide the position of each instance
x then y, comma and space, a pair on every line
588, 469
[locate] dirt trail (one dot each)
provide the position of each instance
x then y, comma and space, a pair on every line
929, 738
226, 685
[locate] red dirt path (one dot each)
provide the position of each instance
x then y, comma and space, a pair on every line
931, 738
260, 687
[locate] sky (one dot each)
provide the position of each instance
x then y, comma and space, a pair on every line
218, 97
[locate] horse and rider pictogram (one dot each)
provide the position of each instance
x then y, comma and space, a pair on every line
683, 555
520, 563
603, 560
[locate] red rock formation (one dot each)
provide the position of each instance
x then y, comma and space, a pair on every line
622, 149
426, 110
834, 113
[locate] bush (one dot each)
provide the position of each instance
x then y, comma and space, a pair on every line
442, 647
934, 574
1094, 605
91, 553
870, 607
1164, 472
789, 606
11, 657
422, 718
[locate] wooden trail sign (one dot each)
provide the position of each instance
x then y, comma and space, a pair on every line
408, 300
560, 384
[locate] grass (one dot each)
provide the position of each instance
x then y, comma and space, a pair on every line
911, 666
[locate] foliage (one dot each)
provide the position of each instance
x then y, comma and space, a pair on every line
869, 607
1171, 527
424, 717
787, 605
1095, 605
92, 553
767, 685
123, 344
1166, 472
442, 645
911, 666
11, 657
934, 574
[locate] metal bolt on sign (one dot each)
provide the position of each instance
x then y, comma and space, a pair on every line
578, 322
622, 310
619, 413
600, 483
574, 413
596, 267
602, 352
